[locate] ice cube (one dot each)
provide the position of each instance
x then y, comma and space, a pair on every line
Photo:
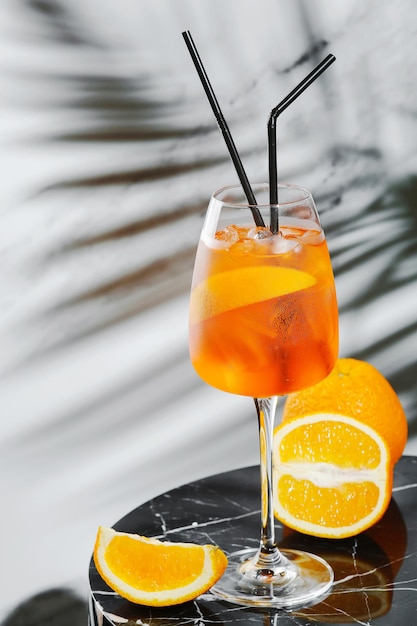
229, 233
281, 245
259, 232
242, 247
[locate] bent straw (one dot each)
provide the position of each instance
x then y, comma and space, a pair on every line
223, 128
272, 149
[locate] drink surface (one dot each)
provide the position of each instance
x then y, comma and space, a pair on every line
263, 310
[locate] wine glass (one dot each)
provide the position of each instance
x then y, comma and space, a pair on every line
264, 323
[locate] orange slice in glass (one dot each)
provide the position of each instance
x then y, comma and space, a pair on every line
244, 286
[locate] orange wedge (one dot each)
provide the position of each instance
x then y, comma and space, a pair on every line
244, 286
156, 573
332, 475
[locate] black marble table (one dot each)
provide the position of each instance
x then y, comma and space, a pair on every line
375, 572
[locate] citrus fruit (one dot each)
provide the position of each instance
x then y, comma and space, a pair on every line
355, 389
332, 475
156, 573
244, 286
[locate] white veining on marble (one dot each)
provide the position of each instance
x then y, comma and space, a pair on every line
163, 523
351, 619
214, 522
404, 487
359, 576
119, 620
363, 588
398, 585
200, 619
100, 592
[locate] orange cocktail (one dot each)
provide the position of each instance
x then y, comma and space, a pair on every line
263, 323
263, 314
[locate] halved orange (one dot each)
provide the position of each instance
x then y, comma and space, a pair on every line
356, 389
156, 573
244, 286
332, 475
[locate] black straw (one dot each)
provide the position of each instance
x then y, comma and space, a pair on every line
272, 134
223, 127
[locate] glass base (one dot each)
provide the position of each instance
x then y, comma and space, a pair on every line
303, 580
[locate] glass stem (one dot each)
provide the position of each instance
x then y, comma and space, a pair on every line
268, 557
